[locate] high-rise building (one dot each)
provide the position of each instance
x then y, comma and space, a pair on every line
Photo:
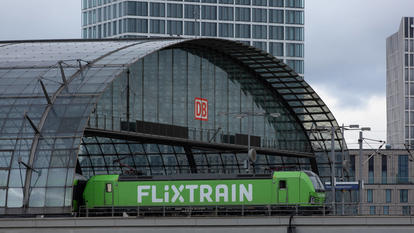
276, 26
400, 85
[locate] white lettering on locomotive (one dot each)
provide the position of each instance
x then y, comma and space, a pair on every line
188, 193
141, 193
177, 193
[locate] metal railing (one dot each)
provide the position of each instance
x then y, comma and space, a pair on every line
350, 209
204, 211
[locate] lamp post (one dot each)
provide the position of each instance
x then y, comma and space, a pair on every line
332, 158
333, 169
332, 162
343, 128
360, 140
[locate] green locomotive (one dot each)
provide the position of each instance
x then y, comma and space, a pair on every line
282, 188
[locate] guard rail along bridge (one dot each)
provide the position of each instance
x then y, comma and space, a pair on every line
239, 224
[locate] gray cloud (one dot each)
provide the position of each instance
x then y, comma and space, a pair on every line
345, 44
40, 19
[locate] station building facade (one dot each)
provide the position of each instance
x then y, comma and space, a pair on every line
388, 181
73, 108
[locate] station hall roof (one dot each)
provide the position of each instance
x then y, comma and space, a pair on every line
28, 66
48, 89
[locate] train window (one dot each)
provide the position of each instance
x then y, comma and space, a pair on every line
108, 187
282, 184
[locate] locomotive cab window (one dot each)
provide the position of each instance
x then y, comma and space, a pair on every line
108, 187
282, 184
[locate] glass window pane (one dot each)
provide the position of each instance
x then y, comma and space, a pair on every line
226, 13
17, 177
175, 10
370, 195
209, 12
209, 29
169, 160
60, 158
276, 49
55, 197
243, 14
2, 197
5, 158
174, 27
294, 17
157, 26
192, 11
226, 30
276, 32
37, 197
259, 32
242, 30
276, 3
157, 9
294, 50
3, 177
295, 3
57, 177
388, 195
15, 197
259, 15
276, 16
294, 33
68, 197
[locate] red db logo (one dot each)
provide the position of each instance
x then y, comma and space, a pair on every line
201, 109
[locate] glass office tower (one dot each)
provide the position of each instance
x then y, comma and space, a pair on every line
276, 26
400, 85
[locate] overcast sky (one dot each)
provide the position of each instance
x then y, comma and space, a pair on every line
345, 58
345, 48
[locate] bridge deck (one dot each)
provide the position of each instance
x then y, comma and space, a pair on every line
317, 224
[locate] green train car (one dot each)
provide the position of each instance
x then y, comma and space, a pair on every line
283, 188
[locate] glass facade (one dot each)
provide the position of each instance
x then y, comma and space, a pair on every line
162, 88
100, 155
126, 87
261, 23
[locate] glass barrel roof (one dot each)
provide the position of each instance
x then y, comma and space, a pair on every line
49, 88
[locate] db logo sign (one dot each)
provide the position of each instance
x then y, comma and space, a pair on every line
201, 109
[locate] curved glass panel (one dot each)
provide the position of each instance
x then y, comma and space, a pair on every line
161, 91
156, 159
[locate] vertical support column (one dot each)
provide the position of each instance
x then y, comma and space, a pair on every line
127, 100
361, 194
343, 163
26, 188
333, 169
